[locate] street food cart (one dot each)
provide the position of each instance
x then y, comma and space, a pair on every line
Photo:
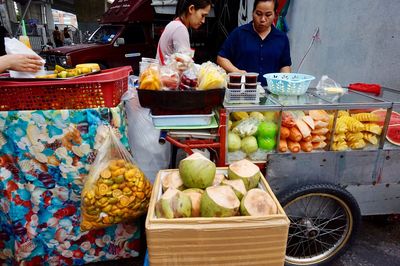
326, 190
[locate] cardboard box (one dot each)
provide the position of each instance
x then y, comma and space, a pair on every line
239, 240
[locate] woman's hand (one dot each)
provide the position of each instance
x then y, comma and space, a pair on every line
21, 62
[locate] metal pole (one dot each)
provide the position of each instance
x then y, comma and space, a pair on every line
23, 17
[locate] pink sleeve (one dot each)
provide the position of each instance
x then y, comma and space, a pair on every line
181, 39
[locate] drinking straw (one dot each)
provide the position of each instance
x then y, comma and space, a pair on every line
23, 28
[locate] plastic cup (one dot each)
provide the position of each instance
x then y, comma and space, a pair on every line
25, 40
235, 77
234, 86
251, 77
250, 86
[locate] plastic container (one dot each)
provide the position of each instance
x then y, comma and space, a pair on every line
250, 86
98, 90
181, 102
251, 77
235, 77
182, 120
234, 86
288, 83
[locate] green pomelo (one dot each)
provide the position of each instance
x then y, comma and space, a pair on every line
246, 171
257, 202
266, 144
173, 204
197, 171
234, 142
218, 179
249, 144
267, 130
238, 187
173, 179
195, 197
219, 201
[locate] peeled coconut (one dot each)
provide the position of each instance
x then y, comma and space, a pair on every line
237, 186
218, 179
219, 201
246, 171
197, 171
174, 204
174, 180
257, 202
195, 197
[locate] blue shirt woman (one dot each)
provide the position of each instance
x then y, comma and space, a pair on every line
257, 46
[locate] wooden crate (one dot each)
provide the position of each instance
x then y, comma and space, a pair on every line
239, 240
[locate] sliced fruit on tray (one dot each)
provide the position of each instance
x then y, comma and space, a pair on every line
381, 113
393, 134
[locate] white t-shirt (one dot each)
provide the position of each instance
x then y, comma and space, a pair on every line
174, 39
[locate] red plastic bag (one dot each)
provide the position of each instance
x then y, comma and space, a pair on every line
367, 88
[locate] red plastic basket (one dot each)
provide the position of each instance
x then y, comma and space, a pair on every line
98, 90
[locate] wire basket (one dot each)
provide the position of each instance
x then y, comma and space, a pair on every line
242, 95
288, 83
98, 90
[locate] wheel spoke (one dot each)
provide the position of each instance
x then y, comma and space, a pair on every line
323, 244
324, 224
323, 210
333, 231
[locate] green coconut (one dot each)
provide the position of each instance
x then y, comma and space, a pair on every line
219, 201
218, 179
195, 197
173, 179
257, 202
246, 171
197, 171
174, 204
238, 187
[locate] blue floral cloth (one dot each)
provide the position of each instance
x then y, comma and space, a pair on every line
44, 159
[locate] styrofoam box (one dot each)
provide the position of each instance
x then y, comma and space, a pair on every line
182, 120
238, 240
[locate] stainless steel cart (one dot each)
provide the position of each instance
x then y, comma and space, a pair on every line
325, 192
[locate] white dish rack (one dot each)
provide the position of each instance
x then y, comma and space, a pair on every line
242, 95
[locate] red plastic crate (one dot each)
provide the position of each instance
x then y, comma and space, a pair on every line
98, 90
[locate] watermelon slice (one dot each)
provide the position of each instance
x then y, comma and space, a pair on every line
381, 113
393, 134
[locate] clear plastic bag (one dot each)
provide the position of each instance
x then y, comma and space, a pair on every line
116, 190
144, 137
169, 78
328, 85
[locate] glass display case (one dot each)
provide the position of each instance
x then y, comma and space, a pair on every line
312, 122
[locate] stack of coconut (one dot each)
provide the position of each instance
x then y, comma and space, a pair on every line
197, 191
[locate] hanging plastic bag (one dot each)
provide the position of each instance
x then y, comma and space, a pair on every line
329, 86
116, 190
143, 137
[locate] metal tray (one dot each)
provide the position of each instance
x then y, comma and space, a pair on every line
182, 120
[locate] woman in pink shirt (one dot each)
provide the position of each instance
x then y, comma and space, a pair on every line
175, 38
